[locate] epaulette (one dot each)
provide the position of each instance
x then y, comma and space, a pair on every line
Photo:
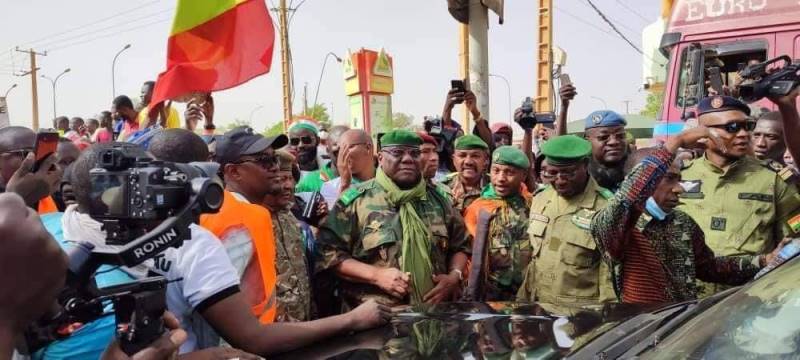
540, 189
605, 193
354, 192
772, 165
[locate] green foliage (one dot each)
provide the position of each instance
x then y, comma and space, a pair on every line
274, 130
654, 101
236, 123
320, 114
399, 120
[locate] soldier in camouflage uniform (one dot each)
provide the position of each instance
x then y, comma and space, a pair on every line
293, 285
508, 246
394, 238
567, 267
471, 158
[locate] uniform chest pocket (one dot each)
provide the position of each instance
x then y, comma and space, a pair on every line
536, 231
379, 235
580, 252
440, 237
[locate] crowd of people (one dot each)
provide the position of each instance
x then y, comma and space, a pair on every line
317, 239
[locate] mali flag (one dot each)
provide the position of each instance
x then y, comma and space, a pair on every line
215, 45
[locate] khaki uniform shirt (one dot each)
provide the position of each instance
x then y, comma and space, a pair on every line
364, 227
567, 267
743, 210
293, 285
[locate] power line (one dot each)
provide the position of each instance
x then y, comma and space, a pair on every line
619, 23
98, 21
613, 27
84, 41
626, 7
581, 20
113, 26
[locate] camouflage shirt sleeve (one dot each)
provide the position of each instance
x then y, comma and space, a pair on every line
335, 239
460, 239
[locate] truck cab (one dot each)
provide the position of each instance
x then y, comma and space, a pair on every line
721, 36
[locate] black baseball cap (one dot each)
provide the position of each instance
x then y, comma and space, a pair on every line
244, 141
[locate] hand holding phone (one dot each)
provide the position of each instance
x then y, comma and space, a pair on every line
46, 144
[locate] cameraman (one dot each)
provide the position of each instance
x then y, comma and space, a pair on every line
787, 106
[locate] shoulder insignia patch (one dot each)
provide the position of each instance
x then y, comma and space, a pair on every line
605, 193
355, 192
772, 165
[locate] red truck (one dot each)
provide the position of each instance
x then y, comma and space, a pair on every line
730, 34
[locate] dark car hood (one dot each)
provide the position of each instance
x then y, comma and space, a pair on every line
492, 330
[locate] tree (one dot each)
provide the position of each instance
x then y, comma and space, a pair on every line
654, 101
398, 121
274, 130
320, 114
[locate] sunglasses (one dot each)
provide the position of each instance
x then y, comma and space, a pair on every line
265, 161
306, 140
735, 127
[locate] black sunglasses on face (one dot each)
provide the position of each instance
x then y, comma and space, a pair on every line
306, 140
735, 127
265, 161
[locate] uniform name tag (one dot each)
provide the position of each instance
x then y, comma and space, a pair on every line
757, 197
718, 223
540, 217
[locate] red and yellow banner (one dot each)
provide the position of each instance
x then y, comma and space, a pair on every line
215, 45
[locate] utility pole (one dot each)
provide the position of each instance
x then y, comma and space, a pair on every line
463, 60
544, 73
285, 65
305, 98
479, 55
34, 89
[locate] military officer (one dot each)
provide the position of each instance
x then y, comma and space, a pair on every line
471, 158
566, 267
395, 238
293, 284
605, 130
743, 206
509, 250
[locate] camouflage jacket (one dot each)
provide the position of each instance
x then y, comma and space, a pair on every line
459, 196
294, 289
363, 226
508, 245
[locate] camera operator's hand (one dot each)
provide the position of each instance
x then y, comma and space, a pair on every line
567, 93
472, 104
35, 186
789, 101
369, 315
34, 267
454, 97
166, 347
518, 115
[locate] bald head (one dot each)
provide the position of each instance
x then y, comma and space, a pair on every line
13, 138
354, 137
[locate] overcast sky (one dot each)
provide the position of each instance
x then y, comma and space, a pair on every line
84, 35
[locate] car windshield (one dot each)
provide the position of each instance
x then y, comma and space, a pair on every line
760, 321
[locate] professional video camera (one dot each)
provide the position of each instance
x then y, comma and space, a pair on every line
445, 140
759, 83
146, 207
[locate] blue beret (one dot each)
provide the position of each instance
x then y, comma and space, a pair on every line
721, 103
604, 118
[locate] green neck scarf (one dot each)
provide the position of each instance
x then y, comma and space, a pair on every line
415, 252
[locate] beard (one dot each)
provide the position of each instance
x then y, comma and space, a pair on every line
608, 176
307, 157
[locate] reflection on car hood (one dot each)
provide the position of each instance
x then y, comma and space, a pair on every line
494, 330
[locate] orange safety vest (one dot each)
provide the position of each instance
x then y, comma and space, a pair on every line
47, 205
257, 220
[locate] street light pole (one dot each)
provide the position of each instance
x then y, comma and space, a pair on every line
250, 119
113, 67
605, 105
319, 82
54, 82
9, 90
508, 86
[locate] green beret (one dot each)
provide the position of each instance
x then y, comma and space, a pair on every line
566, 149
509, 155
470, 142
400, 137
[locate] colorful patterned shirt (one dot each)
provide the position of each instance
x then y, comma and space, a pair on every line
661, 259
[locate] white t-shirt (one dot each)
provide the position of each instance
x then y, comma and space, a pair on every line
201, 267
